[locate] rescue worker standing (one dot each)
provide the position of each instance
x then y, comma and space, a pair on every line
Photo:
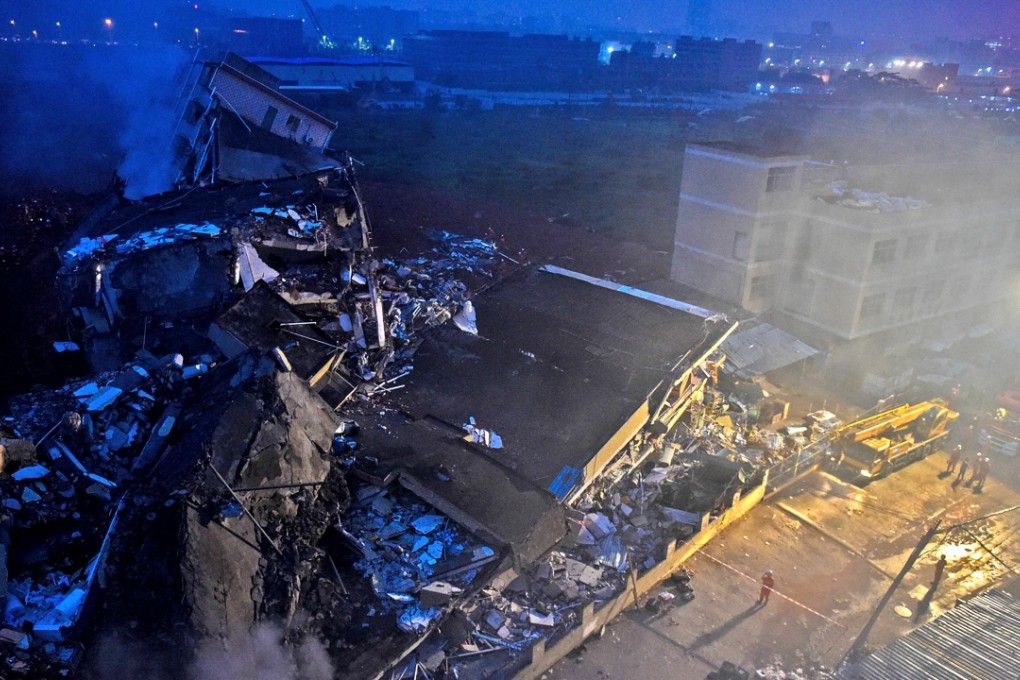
982, 475
963, 470
954, 457
768, 581
940, 567
979, 465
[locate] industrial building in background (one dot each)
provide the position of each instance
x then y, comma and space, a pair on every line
839, 253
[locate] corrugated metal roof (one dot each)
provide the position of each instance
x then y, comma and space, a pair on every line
979, 640
758, 349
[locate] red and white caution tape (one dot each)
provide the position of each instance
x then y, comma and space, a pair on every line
774, 591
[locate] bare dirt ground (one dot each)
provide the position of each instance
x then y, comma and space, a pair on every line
402, 216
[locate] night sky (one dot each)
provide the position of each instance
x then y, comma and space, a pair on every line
914, 20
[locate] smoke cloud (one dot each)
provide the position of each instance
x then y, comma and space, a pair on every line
262, 655
75, 114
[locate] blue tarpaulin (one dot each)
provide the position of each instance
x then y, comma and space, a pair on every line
565, 481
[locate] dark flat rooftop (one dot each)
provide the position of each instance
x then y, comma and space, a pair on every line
558, 367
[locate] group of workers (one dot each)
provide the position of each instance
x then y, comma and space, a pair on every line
979, 471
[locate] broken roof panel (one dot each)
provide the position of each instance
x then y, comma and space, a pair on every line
487, 497
758, 349
263, 320
549, 348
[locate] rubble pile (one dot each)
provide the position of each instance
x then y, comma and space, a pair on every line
313, 246
66, 460
839, 193
417, 561
621, 525
657, 491
731, 427
777, 672
414, 294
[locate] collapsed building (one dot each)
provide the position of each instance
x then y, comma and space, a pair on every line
392, 464
287, 428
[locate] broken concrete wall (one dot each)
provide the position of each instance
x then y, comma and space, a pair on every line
237, 568
222, 575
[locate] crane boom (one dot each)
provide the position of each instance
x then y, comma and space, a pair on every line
865, 428
875, 444
320, 31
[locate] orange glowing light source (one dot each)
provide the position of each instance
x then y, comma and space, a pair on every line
108, 23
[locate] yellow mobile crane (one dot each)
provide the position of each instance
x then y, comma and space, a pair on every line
876, 444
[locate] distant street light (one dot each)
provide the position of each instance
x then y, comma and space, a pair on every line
108, 24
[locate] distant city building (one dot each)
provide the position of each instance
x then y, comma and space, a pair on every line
730, 63
698, 64
496, 60
1000, 89
376, 27
820, 48
791, 82
845, 253
311, 74
938, 77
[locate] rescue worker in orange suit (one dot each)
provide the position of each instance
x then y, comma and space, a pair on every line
768, 581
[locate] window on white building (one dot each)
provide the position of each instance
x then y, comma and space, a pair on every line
946, 242
932, 295
903, 303
762, 287
959, 288
885, 251
916, 247
871, 306
741, 246
771, 242
780, 178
